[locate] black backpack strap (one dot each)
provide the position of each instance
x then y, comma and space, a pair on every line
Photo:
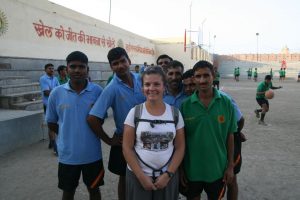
175, 113
153, 169
137, 115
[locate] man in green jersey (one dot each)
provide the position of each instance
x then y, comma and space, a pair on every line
255, 75
210, 122
261, 99
216, 82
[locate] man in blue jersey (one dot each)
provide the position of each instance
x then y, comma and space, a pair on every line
174, 94
47, 83
79, 150
122, 94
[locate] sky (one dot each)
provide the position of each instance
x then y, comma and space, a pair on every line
227, 27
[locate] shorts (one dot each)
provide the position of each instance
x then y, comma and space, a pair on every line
237, 153
117, 163
69, 175
214, 190
262, 101
135, 191
298, 76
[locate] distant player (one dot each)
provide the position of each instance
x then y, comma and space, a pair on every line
249, 73
216, 81
261, 99
255, 74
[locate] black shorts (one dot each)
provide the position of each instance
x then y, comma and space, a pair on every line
298, 76
45, 108
117, 163
214, 190
69, 175
262, 101
237, 153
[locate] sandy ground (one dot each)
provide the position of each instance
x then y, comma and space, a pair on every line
271, 166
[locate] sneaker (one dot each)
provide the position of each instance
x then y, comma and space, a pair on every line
262, 123
257, 113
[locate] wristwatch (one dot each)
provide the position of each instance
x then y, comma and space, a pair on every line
170, 174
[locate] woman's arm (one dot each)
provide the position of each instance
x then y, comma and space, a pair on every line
179, 148
131, 158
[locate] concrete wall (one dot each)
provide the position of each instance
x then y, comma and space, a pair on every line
176, 51
41, 29
19, 129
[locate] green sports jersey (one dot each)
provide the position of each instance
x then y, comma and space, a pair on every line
262, 87
249, 72
206, 131
217, 76
255, 73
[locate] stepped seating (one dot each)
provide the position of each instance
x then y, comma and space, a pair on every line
20, 93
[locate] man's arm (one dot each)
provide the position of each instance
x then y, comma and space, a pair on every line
228, 175
275, 88
53, 127
95, 124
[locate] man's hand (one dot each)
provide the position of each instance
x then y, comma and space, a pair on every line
116, 140
228, 175
243, 137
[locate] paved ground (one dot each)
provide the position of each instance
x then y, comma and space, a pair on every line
271, 166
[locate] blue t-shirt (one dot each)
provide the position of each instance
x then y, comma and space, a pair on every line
121, 98
237, 111
76, 142
175, 101
47, 83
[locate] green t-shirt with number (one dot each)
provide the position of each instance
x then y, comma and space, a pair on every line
206, 131
263, 87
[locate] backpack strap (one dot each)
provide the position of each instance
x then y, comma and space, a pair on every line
175, 113
137, 115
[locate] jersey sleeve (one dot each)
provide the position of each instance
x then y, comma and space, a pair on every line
103, 103
51, 114
43, 84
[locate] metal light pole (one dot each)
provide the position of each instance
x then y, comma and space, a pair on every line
191, 24
109, 11
202, 25
257, 34
214, 47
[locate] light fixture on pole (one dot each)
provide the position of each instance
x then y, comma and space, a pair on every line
257, 34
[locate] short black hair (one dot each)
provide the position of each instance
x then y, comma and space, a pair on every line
116, 53
175, 63
203, 64
48, 65
162, 57
60, 68
268, 77
188, 74
77, 56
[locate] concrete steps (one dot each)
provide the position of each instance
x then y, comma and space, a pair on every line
19, 93
27, 87
29, 105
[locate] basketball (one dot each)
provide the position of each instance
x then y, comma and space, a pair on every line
269, 94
